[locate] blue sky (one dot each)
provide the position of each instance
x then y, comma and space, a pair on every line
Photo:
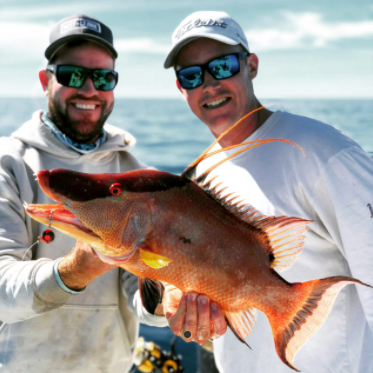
318, 49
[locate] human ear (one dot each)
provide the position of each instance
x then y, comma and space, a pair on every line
44, 80
180, 88
253, 64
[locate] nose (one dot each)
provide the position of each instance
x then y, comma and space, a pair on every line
210, 83
88, 87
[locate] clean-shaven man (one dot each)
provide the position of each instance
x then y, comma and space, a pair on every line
332, 185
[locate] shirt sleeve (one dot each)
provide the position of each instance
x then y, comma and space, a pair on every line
27, 288
131, 292
344, 202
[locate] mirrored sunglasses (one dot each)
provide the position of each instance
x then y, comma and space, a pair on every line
223, 67
75, 76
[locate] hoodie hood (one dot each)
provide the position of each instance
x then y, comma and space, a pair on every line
34, 133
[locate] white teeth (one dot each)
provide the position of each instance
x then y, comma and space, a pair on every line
84, 106
216, 103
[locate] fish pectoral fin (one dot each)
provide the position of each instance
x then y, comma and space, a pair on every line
304, 310
241, 323
151, 293
153, 260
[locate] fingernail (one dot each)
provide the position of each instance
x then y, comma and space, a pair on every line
192, 297
214, 306
202, 300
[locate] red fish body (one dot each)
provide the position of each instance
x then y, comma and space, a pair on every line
180, 230
169, 228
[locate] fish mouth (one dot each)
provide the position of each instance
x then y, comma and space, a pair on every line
59, 217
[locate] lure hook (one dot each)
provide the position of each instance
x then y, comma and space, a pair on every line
48, 235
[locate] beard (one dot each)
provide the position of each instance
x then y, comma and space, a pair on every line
82, 131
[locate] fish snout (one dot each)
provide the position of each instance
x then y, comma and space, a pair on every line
43, 179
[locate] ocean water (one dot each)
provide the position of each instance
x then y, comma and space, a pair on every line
170, 137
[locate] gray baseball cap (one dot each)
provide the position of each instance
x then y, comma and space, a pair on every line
79, 27
206, 24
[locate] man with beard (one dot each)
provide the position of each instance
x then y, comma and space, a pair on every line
61, 307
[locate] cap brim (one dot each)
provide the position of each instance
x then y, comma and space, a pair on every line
52, 49
169, 62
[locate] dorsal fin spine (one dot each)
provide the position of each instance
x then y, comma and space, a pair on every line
278, 233
274, 242
289, 232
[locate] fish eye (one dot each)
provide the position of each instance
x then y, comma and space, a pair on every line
116, 189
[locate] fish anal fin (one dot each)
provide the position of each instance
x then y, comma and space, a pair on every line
153, 260
151, 293
241, 323
300, 320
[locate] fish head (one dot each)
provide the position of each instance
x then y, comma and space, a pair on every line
93, 208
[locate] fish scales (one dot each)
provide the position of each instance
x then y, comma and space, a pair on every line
185, 220
179, 230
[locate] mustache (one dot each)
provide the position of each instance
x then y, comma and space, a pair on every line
81, 97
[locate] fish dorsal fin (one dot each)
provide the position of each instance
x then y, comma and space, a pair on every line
241, 323
286, 237
285, 234
189, 171
228, 201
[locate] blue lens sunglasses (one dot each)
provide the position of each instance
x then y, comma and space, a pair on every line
75, 76
223, 67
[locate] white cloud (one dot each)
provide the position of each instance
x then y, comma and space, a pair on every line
25, 41
303, 30
141, 45
29, 40
52, 11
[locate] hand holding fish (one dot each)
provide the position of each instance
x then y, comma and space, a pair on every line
193, 313
81, 266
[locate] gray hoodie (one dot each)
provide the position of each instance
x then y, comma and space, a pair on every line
46, 329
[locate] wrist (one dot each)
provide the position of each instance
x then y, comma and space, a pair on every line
70, 277
61, 283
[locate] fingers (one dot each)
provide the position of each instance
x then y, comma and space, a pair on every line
218, 320
176, 319
191, 319
197, 321
204, 330
194, 318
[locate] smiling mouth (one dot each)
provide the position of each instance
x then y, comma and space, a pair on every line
84, 106
216, 103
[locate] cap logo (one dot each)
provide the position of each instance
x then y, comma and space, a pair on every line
80, 23
199, 23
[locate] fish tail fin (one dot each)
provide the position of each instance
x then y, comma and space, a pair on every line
307, 306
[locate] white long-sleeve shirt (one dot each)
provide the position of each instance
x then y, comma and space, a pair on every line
333, 186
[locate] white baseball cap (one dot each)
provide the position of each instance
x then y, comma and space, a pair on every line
206, 24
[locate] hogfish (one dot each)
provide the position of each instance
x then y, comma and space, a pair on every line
181, 230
